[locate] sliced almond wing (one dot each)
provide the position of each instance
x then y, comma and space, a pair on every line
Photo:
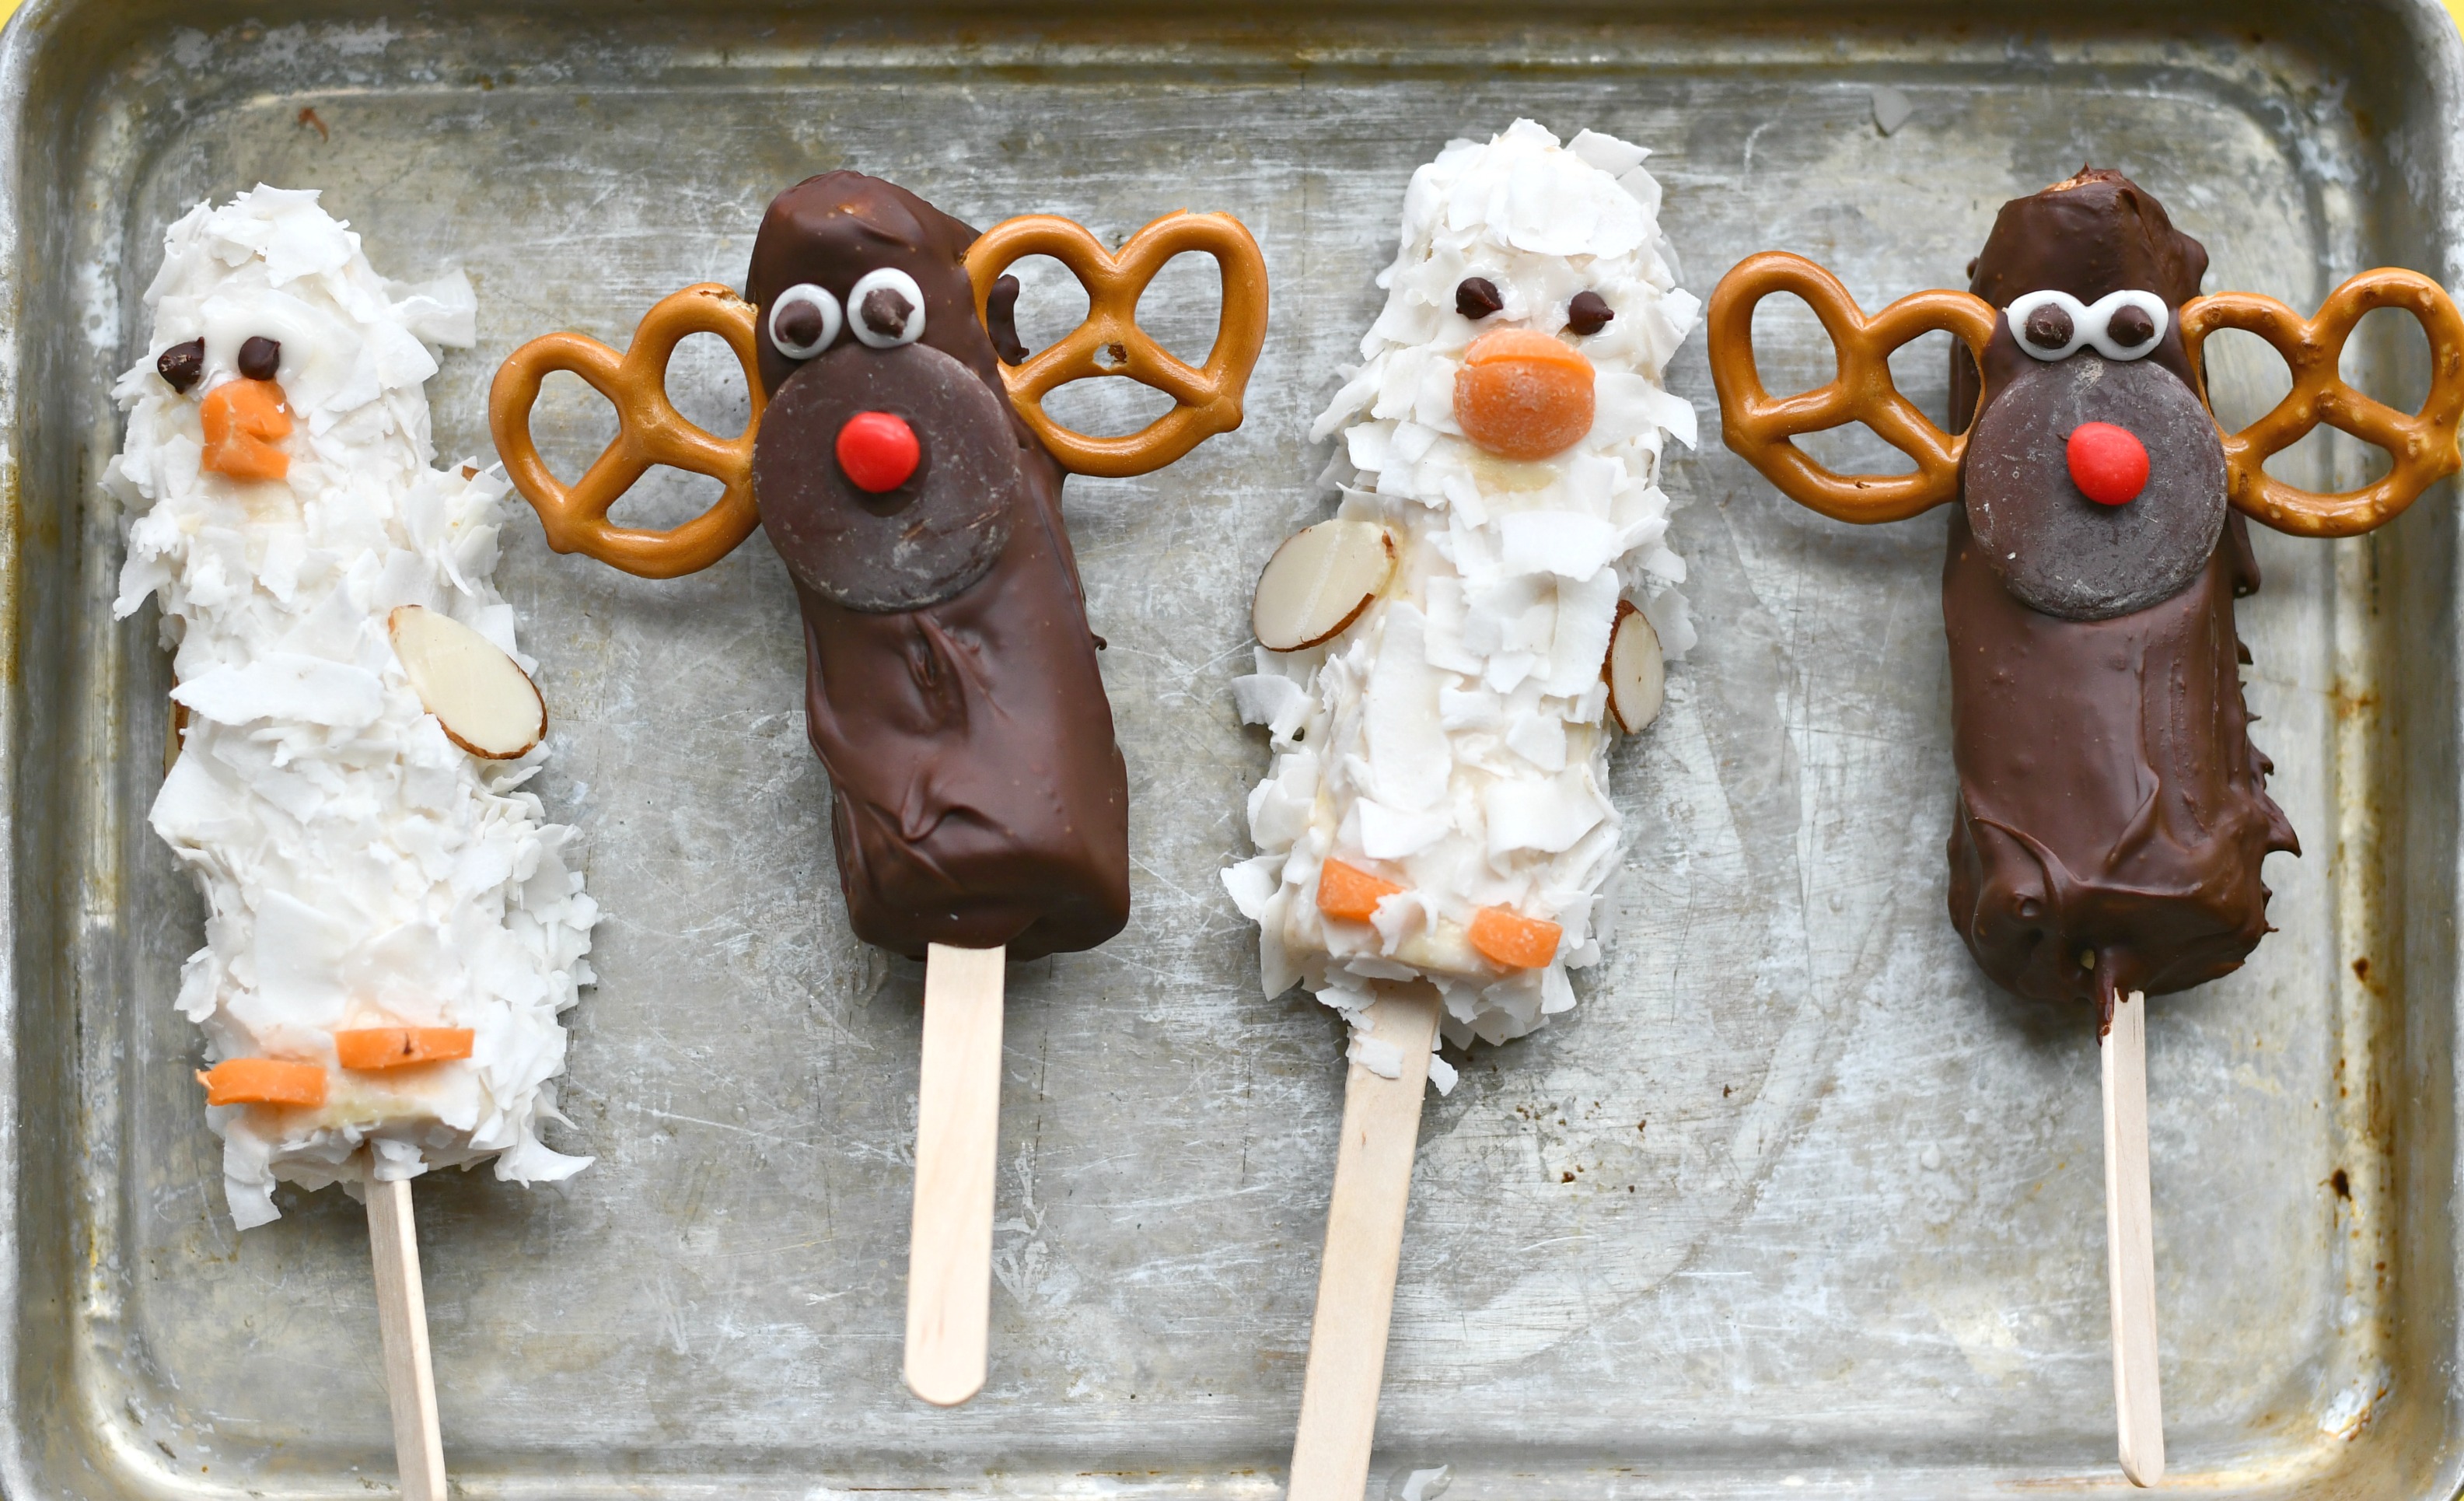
1638, 679
1318, 582
484, 700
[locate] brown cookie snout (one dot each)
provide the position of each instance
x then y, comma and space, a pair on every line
884, 478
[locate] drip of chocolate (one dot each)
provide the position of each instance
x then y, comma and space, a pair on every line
979, 797
2112, 814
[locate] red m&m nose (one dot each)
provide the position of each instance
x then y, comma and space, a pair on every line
2108, 465
879, 452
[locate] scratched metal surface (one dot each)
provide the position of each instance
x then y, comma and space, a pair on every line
1796, 1203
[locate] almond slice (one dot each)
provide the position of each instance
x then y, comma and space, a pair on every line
1637, 678
1318, 582
481, 698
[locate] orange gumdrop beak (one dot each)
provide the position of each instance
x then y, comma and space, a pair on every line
263, 1081
1511, 941
367, 1047
1523, 394
1349, 893
245, 420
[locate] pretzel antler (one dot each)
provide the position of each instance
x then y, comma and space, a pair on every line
1207, 400
2422, 444
1761, 427
649, 431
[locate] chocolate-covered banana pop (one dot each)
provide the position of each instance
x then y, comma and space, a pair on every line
2112, 815
900, 460
978, 799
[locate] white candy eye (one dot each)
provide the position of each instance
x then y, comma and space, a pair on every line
2120, 326
2050, 325
886, 308
805, 320
2119, 335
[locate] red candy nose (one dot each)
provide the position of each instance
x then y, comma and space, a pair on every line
879, 452
2108, 465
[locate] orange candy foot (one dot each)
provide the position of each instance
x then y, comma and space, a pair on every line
1511, 941
367, 1047
1350, 893
263, 1081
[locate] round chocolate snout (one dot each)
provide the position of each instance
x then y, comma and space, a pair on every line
2095, 487
887, 478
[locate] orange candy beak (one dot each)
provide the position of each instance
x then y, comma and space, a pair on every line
243, 421
1523, 394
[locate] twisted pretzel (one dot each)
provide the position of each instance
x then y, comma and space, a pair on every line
649, 431
2422, 444
1207, 400
1760, 428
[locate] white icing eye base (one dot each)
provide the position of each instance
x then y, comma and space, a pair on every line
800, 334
886, 308
2090, 326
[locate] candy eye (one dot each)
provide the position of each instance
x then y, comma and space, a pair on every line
887, 308
804, 319
182, 366
2120, 326
1476, 298
1587, 314
260, 358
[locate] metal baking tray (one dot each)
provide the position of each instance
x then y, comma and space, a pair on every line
1795, 1204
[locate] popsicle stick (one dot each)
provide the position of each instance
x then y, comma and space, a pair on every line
1364, 1241
958, 1129
401, 1314
2131, 1244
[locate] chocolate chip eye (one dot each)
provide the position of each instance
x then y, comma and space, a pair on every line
260, 358
805, 320
1476, 298
2130, 326
183, 364
1589, 313
2049, 327
888, 308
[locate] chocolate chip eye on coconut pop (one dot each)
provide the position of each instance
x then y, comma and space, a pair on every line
2112, 814
900, 459
1443, 665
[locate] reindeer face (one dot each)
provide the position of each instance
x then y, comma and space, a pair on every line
2095, 480
888, 458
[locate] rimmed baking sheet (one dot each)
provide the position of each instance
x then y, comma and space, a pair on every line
1794, 1202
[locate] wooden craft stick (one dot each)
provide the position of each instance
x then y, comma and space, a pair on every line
1364, 1241
2131, 1244
401, 1314
957, 1131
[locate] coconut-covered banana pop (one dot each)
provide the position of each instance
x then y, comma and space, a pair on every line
393, 929
1441, 665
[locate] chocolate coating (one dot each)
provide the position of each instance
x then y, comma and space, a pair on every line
1000, 319
979, 797
2053, 547
2110, 801
915, 545
2111, 806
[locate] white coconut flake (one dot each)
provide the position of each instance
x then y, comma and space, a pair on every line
358, 869
1454, 740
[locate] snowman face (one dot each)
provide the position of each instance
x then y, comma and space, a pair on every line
1524, 391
